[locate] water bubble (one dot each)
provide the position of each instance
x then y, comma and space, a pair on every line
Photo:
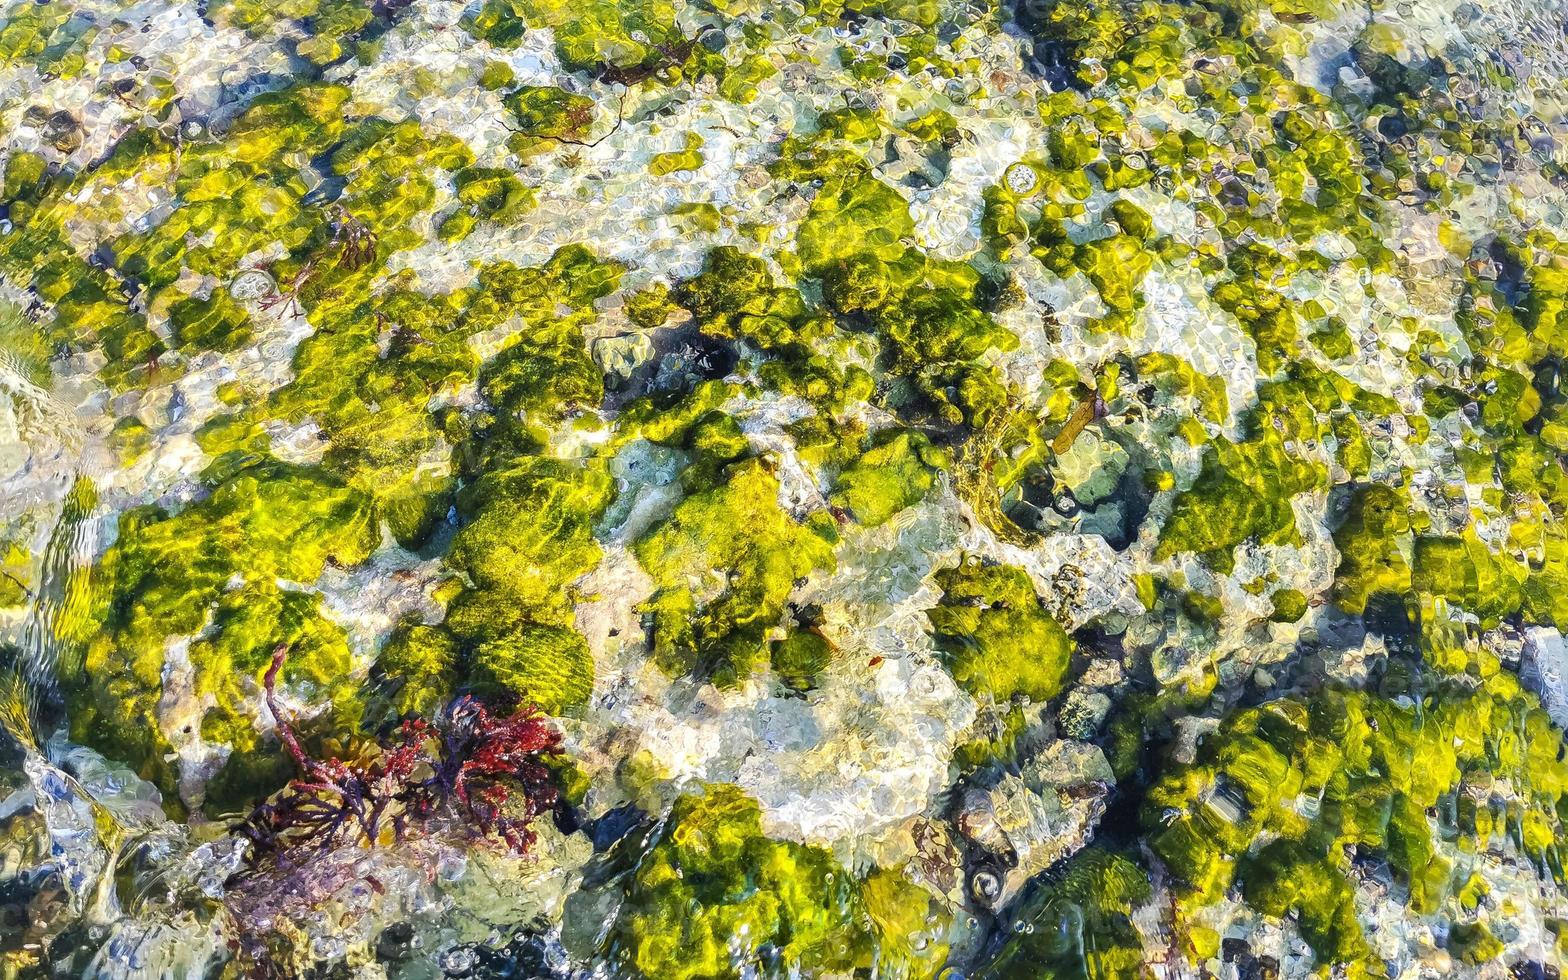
457, 961
1021, 178
252, 284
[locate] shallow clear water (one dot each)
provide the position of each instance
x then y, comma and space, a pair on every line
647, 488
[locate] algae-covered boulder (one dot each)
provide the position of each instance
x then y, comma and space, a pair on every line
1370, 560
215, 323
547, 112
735, 296
544, 374
548, 666
230, 661
596, 35
485, 195
418, 666
1289, 877
529, 538
997, 639
532, 529
725, 563
896, 471
1465, 571
800, 657
1078, 922
716, 898
1370, 768
168, 576
855, 214
269, 521
1243, 492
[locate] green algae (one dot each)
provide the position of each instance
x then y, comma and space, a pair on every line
741, 81
896, 471
166, 576
371, 398
714, 894
1116, 265
50, 39
993, 738
230, 660
130, 439
736, 297
678, 161
544, 375
547, 112
1242, 493
1370, 561
854, 214
1078, 923
333, 29
725, 563
595, 34
215, 323
1288, 877
800, 657
855, 292
486, 195
1472, 944
927, 312
1280, 790
417, 668
997, 640
1464, 570
1289, 606
547, 666
529, 536
15, 574
650, 307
